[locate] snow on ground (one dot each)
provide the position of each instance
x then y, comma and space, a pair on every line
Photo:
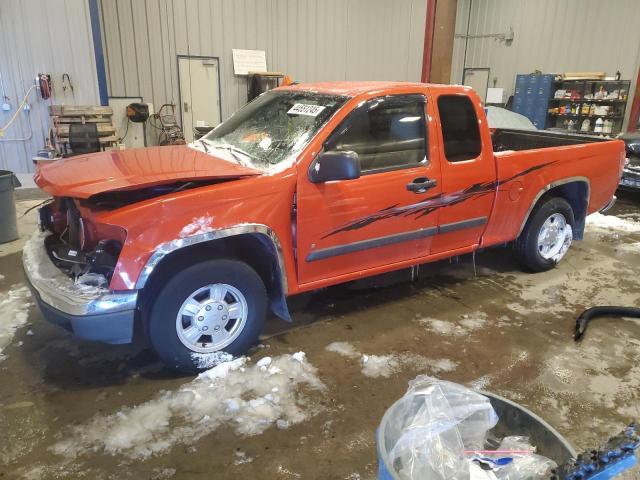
197, 226
611, 225
14, 312
249, 398
466, 324
210, 360
633, 247
375, 366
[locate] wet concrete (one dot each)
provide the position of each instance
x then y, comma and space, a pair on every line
503, 331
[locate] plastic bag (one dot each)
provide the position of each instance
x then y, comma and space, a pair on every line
434, 423
524, 466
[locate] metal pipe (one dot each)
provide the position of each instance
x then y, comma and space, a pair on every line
429, 30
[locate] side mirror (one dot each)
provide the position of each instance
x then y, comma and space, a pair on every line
336, 165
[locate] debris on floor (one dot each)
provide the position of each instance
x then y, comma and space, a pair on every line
14, 306
244, 396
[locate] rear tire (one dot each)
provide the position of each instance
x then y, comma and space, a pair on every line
547, 235
207, 313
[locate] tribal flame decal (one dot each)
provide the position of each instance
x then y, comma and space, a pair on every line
431, 204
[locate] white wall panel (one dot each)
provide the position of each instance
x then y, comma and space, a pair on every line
549, 35
42, 36
310, 40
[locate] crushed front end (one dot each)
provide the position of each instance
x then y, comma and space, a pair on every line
69, 263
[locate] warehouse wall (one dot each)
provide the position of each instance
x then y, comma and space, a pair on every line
552, 36
310, 40
42, 36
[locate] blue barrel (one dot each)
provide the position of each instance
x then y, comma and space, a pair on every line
514, 419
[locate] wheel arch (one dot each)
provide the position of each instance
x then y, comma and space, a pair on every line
575, 190
257, 245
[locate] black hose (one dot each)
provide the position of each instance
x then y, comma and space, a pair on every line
585, 317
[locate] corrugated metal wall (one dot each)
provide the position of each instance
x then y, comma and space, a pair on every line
549, 35
310, 40
42, 36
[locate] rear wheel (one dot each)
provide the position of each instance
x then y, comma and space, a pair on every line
207, 313
547, 235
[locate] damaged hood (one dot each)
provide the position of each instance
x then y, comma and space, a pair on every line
87, 175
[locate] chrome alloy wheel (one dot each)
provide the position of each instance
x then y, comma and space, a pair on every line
211, 318
555, 237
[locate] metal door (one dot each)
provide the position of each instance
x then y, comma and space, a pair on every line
199, 79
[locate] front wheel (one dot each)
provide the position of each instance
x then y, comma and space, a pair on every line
547, 235
207, 313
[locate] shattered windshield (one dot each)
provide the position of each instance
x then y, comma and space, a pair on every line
272, 128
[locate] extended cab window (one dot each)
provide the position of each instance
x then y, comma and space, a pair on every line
387, 132
460, 131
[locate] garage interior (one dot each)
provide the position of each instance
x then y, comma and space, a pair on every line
307, 400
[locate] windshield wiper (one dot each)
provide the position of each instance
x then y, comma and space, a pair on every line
204, 145
232, 149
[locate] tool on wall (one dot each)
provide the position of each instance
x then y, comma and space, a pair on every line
137, 113
43, 80
5, 100
67, 85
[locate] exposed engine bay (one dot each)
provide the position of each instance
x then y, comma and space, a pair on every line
71, 245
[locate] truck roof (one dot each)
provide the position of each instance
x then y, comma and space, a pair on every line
352, 89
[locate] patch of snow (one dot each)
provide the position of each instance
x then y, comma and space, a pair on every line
282, 424
386, 365
300, 356
1, 277
14, 306
610, 224
379, 365
289, 474
343, 348
466, 325
210, 360
232, 393
443, 365
162, 473
241, 458
633, 247
92, 280
263, 363
197, 226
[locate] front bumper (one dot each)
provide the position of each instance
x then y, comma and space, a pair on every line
91, 313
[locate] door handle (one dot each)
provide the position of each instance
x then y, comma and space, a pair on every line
421, 185
186, 107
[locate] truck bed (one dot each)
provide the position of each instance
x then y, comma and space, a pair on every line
508, 139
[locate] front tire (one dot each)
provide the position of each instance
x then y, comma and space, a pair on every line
547, 235
207, 313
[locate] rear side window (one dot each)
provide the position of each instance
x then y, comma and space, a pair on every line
386, 133
459, 128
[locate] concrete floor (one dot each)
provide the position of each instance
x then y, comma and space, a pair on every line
504, 331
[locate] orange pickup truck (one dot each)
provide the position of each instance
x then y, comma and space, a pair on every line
307, 186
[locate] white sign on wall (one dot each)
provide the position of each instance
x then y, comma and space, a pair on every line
245, 61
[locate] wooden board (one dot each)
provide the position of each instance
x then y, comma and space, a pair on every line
103, 140
79, 110
83, 119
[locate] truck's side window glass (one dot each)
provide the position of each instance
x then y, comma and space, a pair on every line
460, 130
386, 133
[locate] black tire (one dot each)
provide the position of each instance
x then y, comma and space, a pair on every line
162, 318
526, 245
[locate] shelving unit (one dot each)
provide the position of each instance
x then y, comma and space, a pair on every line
586, 101
535, 98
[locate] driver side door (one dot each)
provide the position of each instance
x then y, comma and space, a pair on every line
383, 217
